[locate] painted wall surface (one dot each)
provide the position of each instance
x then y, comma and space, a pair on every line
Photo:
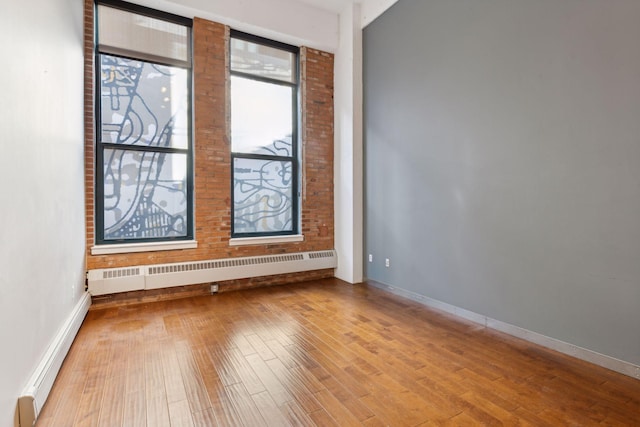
348, 147
41, 171
288, 21
502, 157
371, 9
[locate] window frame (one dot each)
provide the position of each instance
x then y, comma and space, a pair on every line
100, 147
295, 137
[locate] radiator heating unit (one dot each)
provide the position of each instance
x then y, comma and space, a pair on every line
112, 280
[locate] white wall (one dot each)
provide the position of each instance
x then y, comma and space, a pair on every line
502, 146
41, 183
41, 165
371, 9
298, 22
348, 147
287, 21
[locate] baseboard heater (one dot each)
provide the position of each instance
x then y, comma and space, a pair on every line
113, 280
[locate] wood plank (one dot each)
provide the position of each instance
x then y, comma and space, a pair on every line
157, 410
298, 385
88, 410
320, 353
155, 393
243, 344
174, 384
295, 415
206, 418
271, 382
112, 406
192, 379
245, 410
180, 414
269, 410
499, 414
135, 408
260, 347
336, 408
134, 414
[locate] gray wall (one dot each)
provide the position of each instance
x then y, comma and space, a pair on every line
41, 183
502, 146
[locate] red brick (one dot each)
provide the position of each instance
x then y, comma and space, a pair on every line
212, 160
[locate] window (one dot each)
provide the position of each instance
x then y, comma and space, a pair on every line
143, 125
264, 137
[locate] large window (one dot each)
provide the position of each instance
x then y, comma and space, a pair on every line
264, 136
143, 117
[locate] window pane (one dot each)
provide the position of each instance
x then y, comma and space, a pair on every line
127, 30
261, 117
145, 194
262, 191
264, 61
143, 103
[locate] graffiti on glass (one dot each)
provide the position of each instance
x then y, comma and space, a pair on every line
145, 191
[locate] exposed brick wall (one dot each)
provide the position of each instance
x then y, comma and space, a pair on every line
317, 146
212, 188
281, 279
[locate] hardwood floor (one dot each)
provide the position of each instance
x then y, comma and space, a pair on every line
320, 353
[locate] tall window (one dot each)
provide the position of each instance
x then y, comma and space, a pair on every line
143, 132
264, 136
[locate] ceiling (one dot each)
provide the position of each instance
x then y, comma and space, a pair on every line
335, 6
369, 9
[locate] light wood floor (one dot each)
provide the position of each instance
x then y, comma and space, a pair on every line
320, 353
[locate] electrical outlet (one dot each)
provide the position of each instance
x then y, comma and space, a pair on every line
214, 288
386, 262
370, 257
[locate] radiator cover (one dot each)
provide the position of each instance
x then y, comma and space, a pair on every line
113, 280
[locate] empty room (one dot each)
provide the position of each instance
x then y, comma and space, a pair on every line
308, 212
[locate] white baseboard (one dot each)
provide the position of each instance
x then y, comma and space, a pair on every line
621, 366
39, 385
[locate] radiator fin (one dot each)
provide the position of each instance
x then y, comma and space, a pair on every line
233, 262
321, 254
114, 273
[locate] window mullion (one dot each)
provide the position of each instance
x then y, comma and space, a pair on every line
133, 54
130, 147
264, 79
262, 156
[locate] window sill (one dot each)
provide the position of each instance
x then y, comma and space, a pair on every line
143, 247
242, 241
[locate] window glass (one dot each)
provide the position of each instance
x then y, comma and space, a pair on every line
261, 117
145, 194
143, 103
123, 29
262, 195
263, 60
